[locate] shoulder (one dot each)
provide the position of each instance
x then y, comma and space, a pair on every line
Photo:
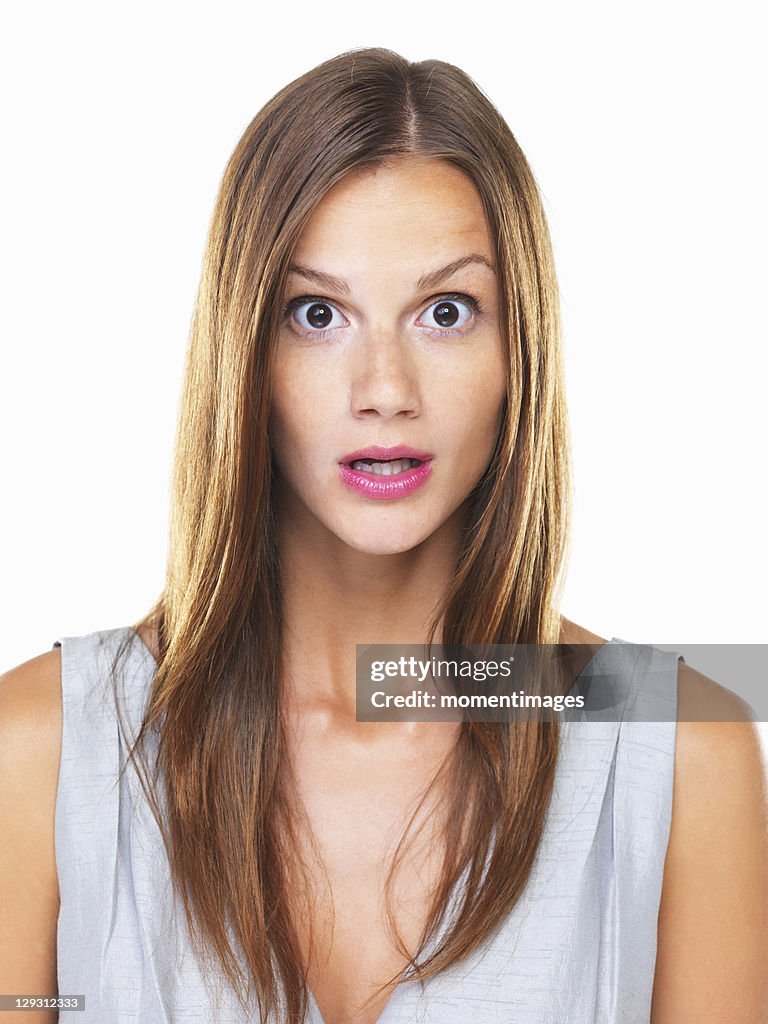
30, 735
31, 716
713, 919
30, 748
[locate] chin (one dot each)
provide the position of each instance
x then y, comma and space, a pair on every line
386, 542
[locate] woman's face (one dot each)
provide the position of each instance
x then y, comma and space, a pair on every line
390, 340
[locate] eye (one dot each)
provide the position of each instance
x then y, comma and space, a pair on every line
313, 315
450, 314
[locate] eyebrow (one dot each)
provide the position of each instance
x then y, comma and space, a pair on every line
430, 280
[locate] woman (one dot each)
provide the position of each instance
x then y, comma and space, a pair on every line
371, 449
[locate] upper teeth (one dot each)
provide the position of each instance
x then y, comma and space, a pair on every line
384, 468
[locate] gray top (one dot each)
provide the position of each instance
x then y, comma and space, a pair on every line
578, 948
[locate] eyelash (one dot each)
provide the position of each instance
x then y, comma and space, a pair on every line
469, 300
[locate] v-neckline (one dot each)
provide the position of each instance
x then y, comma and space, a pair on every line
399, 993
316, 1017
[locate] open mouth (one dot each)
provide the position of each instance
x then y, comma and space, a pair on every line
370, 477
383, 467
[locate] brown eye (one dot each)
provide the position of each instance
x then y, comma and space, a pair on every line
319, 315
446, 314
312, 315
451, 312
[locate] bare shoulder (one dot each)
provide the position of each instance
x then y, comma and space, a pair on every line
32, 687
30, 750
712, 958
30, 722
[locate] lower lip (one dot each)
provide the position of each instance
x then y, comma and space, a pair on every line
400, 485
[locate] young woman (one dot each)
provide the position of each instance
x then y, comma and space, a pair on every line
372, 448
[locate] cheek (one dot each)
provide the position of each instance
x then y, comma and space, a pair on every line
285, 413
300, 411
477, 412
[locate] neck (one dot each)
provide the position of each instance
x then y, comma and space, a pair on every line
334, 596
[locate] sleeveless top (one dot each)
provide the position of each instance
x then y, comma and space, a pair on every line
578, 948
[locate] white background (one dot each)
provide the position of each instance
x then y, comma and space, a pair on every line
644, 125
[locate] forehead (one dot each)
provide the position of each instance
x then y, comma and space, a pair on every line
412, 208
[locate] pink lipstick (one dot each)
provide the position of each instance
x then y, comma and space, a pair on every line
379, 472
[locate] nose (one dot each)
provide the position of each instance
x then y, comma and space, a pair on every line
385, 378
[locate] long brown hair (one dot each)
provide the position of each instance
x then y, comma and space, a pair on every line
215, 699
